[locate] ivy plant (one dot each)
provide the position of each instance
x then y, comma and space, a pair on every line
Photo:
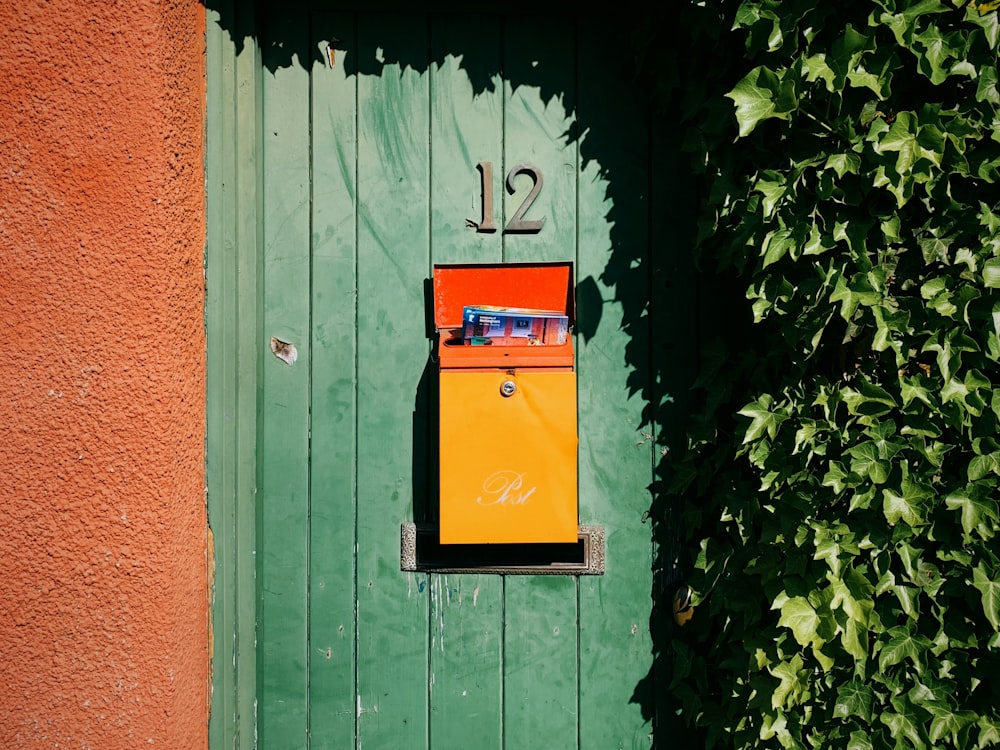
839, 483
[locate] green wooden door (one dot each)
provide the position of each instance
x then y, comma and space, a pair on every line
369, 164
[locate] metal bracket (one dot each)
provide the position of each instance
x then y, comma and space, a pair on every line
420, 551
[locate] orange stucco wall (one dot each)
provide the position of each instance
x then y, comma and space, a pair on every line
103, 612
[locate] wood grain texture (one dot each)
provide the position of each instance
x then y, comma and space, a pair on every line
616, 441
233, 103
333, 449
283, 449
393, 260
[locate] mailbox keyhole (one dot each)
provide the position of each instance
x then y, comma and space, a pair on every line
508, 387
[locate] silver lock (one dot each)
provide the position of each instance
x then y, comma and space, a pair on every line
508, 387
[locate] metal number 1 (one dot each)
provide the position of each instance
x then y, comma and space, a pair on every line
517, 223
486, 180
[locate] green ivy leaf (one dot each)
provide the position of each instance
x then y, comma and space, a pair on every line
862, 498
987, 91
866, 462
853, 594
776, 726
836, 478
909, 598
990, 594
854, 638
764, 419
889, 323
966, 392
934, 50
979, 512
793, 683
854, 698
901, 138
989, 733
761, 95
880, 432
982, 466
934, 249
844, 164
948, 723
914, 388
831, 544
868, 400
875, 73
938, 296
988, 219
815, 68
798, 615
853, 293
903, 23
805, 435
825, 661
991, 273
777, 244
987, 21
903, 725
950, 346
903, 644
909, 505
772, 186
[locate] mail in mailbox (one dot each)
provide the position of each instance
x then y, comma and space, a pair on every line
513, 326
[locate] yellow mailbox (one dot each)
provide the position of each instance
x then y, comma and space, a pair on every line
508, 424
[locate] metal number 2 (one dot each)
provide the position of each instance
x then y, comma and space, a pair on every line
517, 223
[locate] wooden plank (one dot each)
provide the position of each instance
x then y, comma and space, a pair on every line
617, 435
393, 261
232, 328
466, 129
540, 670
221, 391
538, 125
283, 499
465, 661
332, 685
247, 247
540, 629
683, 316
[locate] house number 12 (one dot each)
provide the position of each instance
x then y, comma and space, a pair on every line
517, 222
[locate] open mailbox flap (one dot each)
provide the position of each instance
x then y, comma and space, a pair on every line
540, 286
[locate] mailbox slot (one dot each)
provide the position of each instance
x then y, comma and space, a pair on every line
507, 420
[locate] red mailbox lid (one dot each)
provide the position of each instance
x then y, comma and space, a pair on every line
540, 286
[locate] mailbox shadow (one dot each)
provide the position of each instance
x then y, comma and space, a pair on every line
655, 283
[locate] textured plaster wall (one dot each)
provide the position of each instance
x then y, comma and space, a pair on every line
103, 612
